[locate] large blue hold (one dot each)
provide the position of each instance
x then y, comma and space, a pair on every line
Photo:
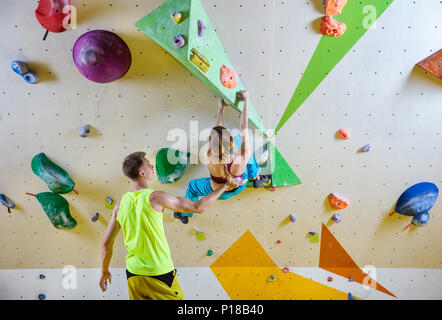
416, 201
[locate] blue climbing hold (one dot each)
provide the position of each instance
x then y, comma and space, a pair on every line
22, 70
4, 200
41, 296
350, 296
416, 201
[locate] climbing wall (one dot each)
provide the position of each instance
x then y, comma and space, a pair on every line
373, 89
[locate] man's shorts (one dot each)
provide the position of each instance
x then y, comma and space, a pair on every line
154, 287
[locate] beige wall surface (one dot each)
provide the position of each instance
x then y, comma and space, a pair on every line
375, 91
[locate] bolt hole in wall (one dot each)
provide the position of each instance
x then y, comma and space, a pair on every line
86, 123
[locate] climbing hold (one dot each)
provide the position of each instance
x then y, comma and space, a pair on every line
343, 134
312, 233
31, 77
109, 200
331, 27
228, 77
351, 279
292, 217
199, 60
42, 276
51, 14
258, 183
333, 7
279, 241
171, 165
365, 148
337, 202
178, 41
337, 217
84, 131
101, 56
57, 179
416, 201
350, 297
95, 217
432, 64
198, 229
177, 16
41, 296
4, 200
209, 253
271, 278
57, 210
201, 28
22, 70
271, 188
329, 279
19, 67
285, 269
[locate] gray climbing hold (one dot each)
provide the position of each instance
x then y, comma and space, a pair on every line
95, 217
109, 200
292, 217
271, 278
84, 131
337, 218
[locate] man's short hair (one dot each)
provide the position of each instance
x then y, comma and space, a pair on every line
132, 164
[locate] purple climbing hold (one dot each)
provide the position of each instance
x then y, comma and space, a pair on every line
201, 28
337, 217
102, 56
178, 41
292, 217
366, 148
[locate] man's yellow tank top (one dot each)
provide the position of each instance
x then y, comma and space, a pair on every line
144, 237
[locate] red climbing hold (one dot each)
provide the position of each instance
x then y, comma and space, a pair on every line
337, 202
51, 14
333, 7
228, 77
433, 64
331, 27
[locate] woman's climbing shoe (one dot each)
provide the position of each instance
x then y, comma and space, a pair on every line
184, 219
260, 183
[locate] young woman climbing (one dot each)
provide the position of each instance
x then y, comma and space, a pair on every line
228, 157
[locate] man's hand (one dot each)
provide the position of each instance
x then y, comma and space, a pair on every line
243, 95
105, 277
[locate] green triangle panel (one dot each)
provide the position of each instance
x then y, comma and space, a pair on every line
331, 50
282, 174
160, 27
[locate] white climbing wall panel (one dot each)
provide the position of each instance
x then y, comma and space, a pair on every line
375, 92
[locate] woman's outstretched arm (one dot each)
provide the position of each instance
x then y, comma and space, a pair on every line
244, 126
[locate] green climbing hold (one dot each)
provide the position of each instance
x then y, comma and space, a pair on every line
57, 179
57, 210
209, 253
171, 165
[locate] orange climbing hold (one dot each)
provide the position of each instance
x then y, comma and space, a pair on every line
343, 134
333, 7
331, 27
228, 77
337, 202
433, 64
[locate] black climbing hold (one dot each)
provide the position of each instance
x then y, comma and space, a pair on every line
42, 276
4, 200
95, 217
184, 219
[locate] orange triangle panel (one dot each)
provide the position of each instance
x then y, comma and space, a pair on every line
334, 258
244, 271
